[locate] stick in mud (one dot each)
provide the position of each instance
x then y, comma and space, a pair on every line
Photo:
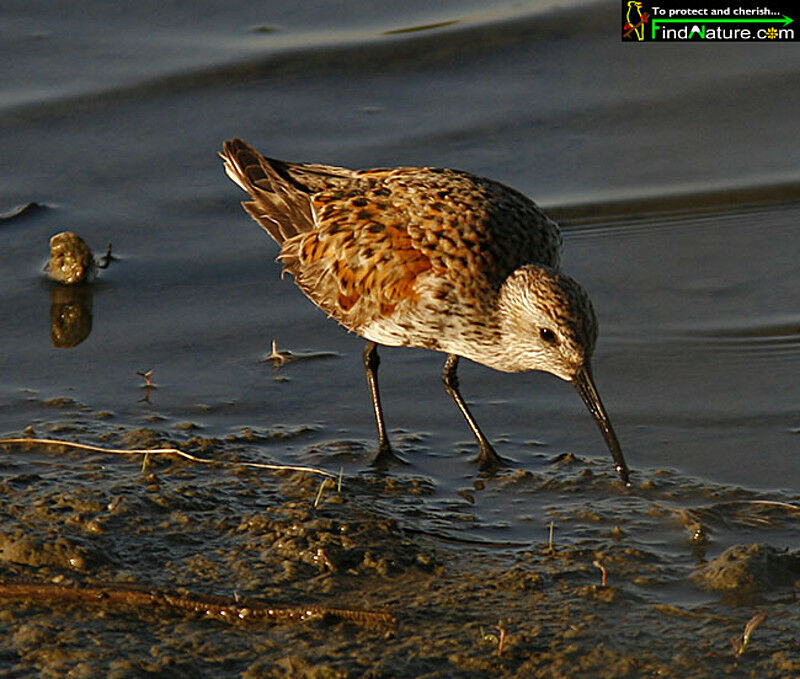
604, 577
164, 451
219, 608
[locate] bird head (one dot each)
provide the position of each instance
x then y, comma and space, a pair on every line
548, 323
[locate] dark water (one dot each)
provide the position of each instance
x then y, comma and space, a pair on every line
672, 168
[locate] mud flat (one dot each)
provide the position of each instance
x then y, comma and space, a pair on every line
111, 567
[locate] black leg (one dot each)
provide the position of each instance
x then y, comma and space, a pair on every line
371, 363
487, 457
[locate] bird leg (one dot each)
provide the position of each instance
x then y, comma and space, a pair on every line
371, 363
487, 457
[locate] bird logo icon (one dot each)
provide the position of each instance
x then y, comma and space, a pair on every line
635, 20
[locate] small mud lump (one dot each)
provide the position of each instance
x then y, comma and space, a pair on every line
750, 568
71, 260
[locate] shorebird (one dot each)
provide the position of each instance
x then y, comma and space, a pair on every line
433, 258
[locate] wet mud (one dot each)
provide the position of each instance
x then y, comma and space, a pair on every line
112, 567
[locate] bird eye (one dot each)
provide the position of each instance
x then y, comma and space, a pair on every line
548, 336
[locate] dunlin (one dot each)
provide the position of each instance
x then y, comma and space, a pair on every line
432, 258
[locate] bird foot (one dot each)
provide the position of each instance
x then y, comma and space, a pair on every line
489, 461
386, 457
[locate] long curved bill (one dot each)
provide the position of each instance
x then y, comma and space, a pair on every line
585, 385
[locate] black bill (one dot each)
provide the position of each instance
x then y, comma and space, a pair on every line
585, 385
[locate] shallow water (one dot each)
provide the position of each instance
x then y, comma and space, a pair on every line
673, 172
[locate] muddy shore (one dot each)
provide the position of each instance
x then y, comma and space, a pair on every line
441, 605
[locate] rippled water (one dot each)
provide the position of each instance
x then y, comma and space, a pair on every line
672, 168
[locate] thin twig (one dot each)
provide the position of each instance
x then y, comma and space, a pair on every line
147, 375
501, 641
278, 357
319, 492
740, 645
166, 451
106, 259
767, 503
604, 576
220, 608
